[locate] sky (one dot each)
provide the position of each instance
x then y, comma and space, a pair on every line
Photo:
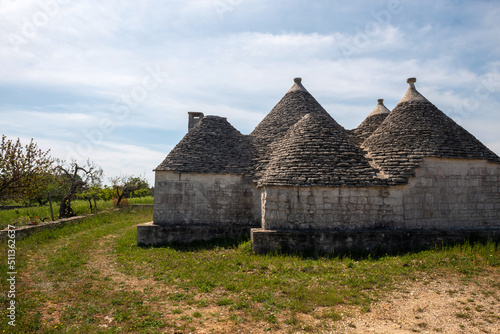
112, 81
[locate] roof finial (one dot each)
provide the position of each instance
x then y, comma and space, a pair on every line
379, 109
411, 82
412, 94
297, 86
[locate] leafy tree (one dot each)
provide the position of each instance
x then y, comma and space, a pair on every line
91, 194
141, 193
78, 177
124, 186
106, 193
51, 191
142, 188
23, 170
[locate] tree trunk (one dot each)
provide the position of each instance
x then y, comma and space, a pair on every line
119, 199
51, 210
65, 210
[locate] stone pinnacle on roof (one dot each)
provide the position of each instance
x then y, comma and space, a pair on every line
371, 122
379, 109
297, 86
412, 94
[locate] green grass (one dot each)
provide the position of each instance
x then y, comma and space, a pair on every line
92, 277
81, 207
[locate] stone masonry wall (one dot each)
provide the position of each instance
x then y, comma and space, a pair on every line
444, 194
205, 199
330, 208
453, 193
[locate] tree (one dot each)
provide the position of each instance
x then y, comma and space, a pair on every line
106, 193
50, 191
91, 194
126, 185
142, 187
77, 177
23, 170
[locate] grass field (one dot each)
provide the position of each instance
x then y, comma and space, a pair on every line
92, 278
20, 216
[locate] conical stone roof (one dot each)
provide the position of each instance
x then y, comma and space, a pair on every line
296, 103
416, 129
211, 146
316, 151
371, 123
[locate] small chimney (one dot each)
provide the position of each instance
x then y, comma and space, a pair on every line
194, 118
381, 101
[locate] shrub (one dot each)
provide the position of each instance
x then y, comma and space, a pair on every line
123, 202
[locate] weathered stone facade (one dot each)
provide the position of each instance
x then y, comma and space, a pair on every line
301, 181
453, 194
445, 194
334, 208
205, 199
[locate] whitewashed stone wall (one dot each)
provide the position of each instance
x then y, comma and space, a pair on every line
206, 199
445, 193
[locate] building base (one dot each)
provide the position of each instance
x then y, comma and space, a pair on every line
362, 241
151, 234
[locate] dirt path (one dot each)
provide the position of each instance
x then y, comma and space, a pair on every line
444, 304
447, 305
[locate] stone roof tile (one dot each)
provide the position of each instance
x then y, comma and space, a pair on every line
211, 146
416, 129
299, 144
371, 123
296, 103
316, 151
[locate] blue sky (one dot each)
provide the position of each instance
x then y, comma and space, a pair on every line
113, 81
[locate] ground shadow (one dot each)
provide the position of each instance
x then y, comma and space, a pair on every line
203, 244
356, 254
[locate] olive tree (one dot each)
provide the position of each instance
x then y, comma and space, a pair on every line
124, 186
76, 178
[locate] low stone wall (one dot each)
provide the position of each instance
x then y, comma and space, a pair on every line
151, 234
12, 207
25, 231
361, 241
